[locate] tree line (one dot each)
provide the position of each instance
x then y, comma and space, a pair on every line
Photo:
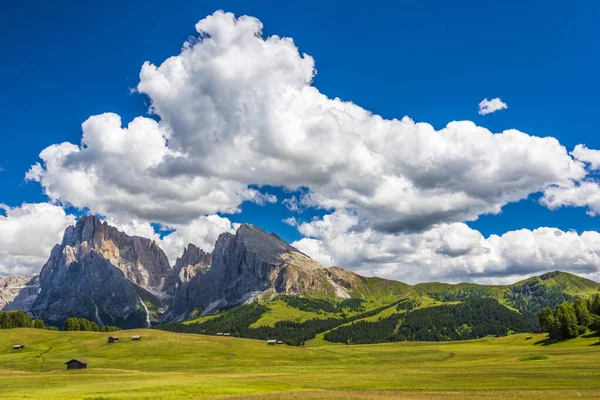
571, 319
19, 319
82, 324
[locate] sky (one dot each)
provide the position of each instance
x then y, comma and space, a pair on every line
414, 140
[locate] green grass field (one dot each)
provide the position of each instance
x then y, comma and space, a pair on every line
167, 365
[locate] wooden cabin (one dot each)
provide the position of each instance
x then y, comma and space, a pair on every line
76, 363
272, 342
280, 342
136, 337
18, 347
227, 334
113, 339
220, 334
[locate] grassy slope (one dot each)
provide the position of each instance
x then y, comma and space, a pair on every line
199, 320
569, 283
279, 310
179, 366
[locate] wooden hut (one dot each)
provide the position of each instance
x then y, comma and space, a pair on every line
227, 334
18, 347
113, 339
76, 363
272, 342
219, 333
280, 342
136, 337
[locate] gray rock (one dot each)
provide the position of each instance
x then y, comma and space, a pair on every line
18, 292
102, 274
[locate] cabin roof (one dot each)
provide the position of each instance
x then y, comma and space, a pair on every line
79, 360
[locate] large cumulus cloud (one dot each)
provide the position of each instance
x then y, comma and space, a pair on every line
238, 109
235, 110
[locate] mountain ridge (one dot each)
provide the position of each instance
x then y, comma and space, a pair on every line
103, 274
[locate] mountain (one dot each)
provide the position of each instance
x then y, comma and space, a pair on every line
102, 274
527, 296
568, 283
18, 292
255, 263
105, 275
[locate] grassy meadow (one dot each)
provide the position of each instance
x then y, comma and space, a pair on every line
166, 365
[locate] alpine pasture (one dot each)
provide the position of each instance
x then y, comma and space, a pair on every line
168, 365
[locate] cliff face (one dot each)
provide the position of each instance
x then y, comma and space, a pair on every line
185, 282
104, 275
246, 265
18, 292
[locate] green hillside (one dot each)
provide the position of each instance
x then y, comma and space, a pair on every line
568, 283
167, 366
528, 296
380, 311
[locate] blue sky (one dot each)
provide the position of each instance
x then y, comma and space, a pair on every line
433, 61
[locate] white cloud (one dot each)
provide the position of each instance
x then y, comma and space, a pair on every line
490, 106
238, 110
449, 252
575, 194
202, 231
291, 221
589, 156
27, 235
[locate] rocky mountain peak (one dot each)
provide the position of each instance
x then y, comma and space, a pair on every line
102, 273
18, 292
193, 258
267, 246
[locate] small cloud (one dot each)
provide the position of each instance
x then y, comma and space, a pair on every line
489, 106
291, 221
293, 204
262, 199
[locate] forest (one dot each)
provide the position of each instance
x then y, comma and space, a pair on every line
471, 319
571, 319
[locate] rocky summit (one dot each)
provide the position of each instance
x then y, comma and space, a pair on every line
102, 274
18, 292
107, 276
